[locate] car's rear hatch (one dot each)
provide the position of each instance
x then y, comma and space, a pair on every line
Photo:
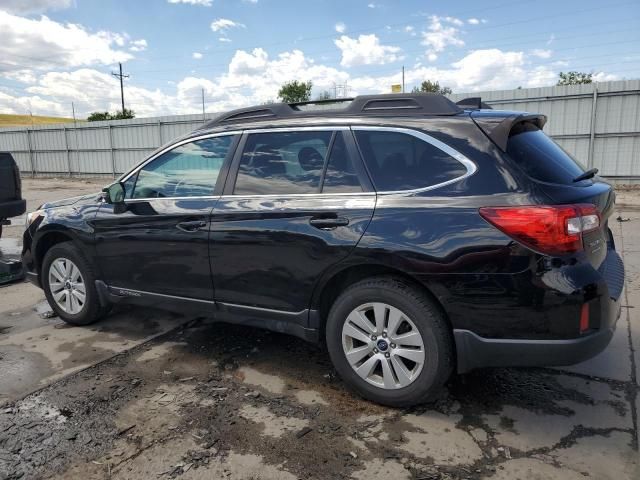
562, 179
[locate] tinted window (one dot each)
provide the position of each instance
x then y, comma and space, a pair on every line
282, 163
540, 157
190, 170
398, 161
341, 176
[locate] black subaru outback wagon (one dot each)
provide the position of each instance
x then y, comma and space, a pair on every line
414, 236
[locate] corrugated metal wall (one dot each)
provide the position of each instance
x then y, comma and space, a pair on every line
598, 123
93, 148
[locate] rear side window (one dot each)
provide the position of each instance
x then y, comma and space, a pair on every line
282, 163
540, 157
341, 176
399, 161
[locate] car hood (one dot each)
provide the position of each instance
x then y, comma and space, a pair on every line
80, 200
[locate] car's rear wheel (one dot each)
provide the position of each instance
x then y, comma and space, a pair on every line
389, 341
68, 280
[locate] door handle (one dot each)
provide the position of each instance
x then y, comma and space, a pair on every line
191, 226
326, 223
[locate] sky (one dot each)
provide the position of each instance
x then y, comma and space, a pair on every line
239, 52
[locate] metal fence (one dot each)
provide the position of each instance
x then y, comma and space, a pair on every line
598, 123
92, 148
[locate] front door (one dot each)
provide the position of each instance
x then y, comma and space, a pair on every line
160, 243
299, 203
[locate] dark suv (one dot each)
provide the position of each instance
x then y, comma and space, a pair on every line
412, 235
11, 202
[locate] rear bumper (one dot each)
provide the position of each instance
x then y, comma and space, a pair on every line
477, 352
12, 208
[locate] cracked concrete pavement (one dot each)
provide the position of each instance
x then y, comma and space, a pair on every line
146, 394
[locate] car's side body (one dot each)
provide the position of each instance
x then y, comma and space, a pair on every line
260, 260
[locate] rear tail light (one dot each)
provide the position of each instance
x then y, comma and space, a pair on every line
548, 229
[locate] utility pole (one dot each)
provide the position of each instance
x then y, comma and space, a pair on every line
203, 115
402, 78
121, 77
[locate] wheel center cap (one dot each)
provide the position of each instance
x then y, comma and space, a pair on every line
382, 345
67, 285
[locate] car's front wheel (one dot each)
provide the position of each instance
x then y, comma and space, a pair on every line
389, 341
68, 280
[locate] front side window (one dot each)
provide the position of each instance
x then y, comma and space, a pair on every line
282, 163
399, 161
189, 170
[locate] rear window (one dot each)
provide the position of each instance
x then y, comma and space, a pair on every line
540, 157
399, 161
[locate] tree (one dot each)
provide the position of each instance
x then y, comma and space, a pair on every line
574, 78
432, 87
294, 92
99, 116
119, 115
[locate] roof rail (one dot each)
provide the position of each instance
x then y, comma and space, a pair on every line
473, 103
379, 105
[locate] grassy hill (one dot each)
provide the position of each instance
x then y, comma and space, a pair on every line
7, 120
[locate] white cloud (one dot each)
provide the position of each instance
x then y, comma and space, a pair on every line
366, 50
454, 21
552, 37
244, 63
196, 55
223, 24
253, 77
90, 90
33, 6
411, 30
371, 5
541, 53
439, 34
224, 39
138, 45
45, 44
340, 27
604, 77
204, 3
473, 21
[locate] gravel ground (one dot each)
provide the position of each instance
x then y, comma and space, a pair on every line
146, 394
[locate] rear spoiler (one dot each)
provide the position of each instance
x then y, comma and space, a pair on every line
473, 103
498, 127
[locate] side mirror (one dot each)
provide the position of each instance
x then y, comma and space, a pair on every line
114, 195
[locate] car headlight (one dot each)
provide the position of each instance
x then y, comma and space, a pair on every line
33, 216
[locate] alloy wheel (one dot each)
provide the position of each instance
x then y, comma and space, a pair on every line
67, 286
383, 345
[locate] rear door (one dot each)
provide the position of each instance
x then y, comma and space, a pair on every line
295, 203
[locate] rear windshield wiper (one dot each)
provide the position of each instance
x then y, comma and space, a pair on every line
586, 175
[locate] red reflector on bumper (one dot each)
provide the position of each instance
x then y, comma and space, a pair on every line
584, 318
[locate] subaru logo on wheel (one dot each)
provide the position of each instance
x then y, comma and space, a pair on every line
382, 345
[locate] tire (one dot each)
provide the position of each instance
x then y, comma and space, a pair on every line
418, 314
91, 310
